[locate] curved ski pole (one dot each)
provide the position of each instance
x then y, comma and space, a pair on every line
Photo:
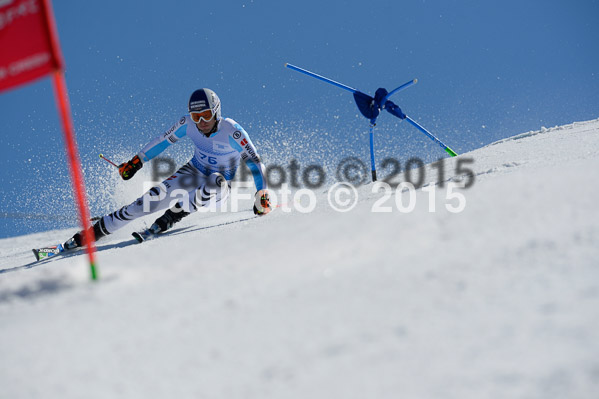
430, 135
314, 75
403, 86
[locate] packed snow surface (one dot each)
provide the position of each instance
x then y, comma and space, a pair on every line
499, 299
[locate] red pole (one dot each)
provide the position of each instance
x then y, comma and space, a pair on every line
62, 99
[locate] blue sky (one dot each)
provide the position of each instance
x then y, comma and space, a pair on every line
487, 70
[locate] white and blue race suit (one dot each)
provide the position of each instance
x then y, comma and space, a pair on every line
215, 155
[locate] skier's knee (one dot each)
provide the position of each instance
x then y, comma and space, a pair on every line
151, 200
210, 193
216, 182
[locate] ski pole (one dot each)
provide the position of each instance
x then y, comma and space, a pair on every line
314, 75
109, 161
430, 135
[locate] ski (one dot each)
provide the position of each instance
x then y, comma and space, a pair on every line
143, 235
55, 250
48, 252
147, 233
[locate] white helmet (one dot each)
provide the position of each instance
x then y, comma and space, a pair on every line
204, 99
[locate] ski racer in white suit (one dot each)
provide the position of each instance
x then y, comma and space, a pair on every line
219, 144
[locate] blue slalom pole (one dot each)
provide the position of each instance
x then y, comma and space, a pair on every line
372, 163
351, 89
430, 135
314, 75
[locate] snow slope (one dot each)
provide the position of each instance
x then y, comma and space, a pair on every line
500, 300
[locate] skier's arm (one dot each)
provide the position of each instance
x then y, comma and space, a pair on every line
242, 143
160, 143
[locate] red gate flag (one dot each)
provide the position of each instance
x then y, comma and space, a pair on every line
29, 50
28, 42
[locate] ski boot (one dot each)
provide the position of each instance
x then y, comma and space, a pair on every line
162, 224
77, 240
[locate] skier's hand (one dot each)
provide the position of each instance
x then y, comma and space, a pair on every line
128, 169
262, 203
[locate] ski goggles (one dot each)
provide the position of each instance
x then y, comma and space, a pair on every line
205, 115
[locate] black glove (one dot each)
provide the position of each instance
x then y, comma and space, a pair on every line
265, 206
128, 169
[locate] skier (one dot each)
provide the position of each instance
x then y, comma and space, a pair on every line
219, 146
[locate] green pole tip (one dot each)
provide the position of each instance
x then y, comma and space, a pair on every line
94, 273
451, 152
